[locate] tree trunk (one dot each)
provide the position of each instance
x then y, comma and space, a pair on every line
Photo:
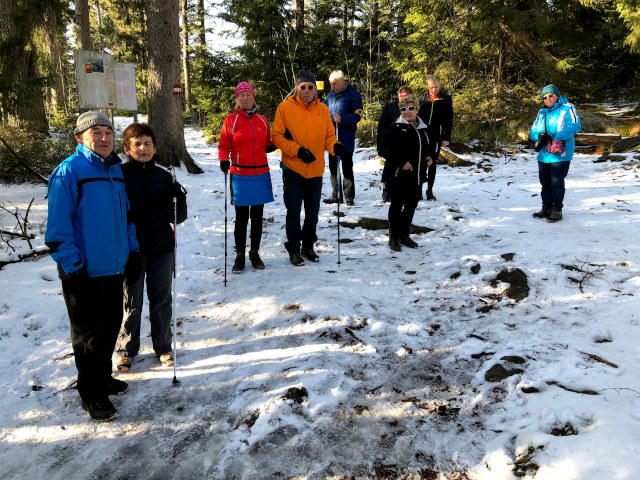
57, 97
202, 39
300, 17
165, 109
186, 64
83, 30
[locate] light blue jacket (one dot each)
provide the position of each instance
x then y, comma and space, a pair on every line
562, 123
87, 224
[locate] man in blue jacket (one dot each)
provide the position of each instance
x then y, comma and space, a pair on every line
94, 246
345, 106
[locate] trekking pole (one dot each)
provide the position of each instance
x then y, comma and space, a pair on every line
173, 292
225, 229
339, 192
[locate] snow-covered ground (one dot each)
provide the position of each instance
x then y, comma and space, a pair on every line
371, 369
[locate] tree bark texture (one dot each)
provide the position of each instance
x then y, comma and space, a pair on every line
186, 64
165, 109
83, 29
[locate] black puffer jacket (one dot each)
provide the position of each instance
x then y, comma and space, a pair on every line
150, 189
403, 142
438, 114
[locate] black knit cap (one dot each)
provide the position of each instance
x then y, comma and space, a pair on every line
305, 75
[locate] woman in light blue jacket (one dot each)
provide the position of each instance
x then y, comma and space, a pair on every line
553, 132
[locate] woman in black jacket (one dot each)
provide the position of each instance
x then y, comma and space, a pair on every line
409, 146
150, 189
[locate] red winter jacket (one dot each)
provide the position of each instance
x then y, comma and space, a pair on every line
243, 140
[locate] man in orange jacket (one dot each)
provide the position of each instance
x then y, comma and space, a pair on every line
303, 131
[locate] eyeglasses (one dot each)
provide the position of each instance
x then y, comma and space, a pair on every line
410, 109
305, 87
546, 97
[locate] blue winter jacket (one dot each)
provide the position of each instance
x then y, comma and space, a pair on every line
348, 104
562, 123
87, 224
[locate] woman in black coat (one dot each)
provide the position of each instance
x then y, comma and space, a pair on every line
409, 146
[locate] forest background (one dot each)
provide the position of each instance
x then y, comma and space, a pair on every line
493, 56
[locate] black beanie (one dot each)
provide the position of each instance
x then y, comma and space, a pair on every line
305, 76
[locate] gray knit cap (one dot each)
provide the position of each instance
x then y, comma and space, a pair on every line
92, 118
305, 76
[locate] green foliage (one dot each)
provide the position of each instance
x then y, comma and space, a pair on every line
41, 152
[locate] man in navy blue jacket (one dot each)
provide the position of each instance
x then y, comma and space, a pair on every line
345, 106
94, 247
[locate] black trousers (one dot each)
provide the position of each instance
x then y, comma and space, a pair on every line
348, 182
299, 190
404, 200
242, 220
95, 309
157, 270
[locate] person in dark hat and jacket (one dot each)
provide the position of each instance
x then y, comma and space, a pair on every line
94, 245
303, 130
151, 190
409, 146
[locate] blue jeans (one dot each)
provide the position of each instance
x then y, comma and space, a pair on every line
552, 177
297, 190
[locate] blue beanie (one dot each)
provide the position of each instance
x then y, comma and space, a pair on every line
550, 89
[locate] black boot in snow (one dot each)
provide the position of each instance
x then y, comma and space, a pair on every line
255, 259
238, 264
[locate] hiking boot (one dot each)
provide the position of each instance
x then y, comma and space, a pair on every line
331, 199
309, 254
554, 217
123, 363
238, 264
296, 259
430, 195
256, 261
542, 214
407, 242
117, 387
394, 244
100, 410
166, 359
350, 202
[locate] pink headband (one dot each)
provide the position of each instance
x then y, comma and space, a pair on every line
244, 87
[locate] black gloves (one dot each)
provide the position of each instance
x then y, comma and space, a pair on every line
224, 166
270, 148
543, 139
305, 155
133, 268
338, 150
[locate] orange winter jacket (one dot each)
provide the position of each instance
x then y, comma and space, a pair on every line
243, 140
298, 124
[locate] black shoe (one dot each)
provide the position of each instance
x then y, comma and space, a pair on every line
238, 264
101, 410
296, 259
331, 199
542, 214
430, 195
256, 261
394, 244
309, 254
554, 217
407, 242
117, 387
350, 202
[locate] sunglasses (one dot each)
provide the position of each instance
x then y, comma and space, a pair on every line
306, 87
410, 109
551, 95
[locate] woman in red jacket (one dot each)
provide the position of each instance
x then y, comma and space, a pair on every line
245, 140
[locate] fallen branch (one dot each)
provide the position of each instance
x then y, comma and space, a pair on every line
25, 164
599, 359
